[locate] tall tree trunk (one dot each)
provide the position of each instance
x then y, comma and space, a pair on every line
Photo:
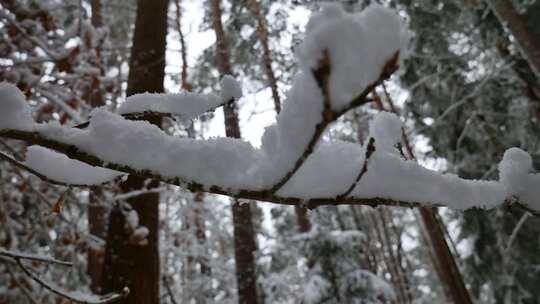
244, 236
449, 272
521, 27
97, 213
126, 263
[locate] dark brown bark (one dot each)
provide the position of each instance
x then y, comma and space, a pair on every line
97, 213
126, 263
449, 272
97, 17
520, 26
262, 32
183, 49
97, 222
244, 236
200, 231
304, 225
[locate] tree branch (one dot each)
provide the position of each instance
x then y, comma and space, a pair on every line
259, 195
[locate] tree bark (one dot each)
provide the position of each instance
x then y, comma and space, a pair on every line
97, 213
183, 49
520, 26
127, 264
244, 236
262, 32
449, 272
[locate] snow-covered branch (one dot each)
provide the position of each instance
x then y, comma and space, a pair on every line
343, 58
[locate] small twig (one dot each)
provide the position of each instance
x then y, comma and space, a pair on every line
370, 149
516, 229
169, 290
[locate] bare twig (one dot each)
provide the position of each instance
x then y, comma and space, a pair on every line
75, 297
84, 299
516, 229
32, 257
169, 290
370, 149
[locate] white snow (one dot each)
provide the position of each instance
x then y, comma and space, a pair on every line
386, 129
14, 110
132, 221
284, 142
186, 105
219, 161
391, 177
63, 169
514, 172
139, 236
230, 88
359, 45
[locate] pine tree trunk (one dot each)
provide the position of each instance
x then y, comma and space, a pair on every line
128, 264
244, 236
520, 26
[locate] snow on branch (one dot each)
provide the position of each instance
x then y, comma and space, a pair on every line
77, 297
184, 105
343, 58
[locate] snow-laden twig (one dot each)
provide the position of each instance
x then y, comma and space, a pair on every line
125, 196
43, 177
